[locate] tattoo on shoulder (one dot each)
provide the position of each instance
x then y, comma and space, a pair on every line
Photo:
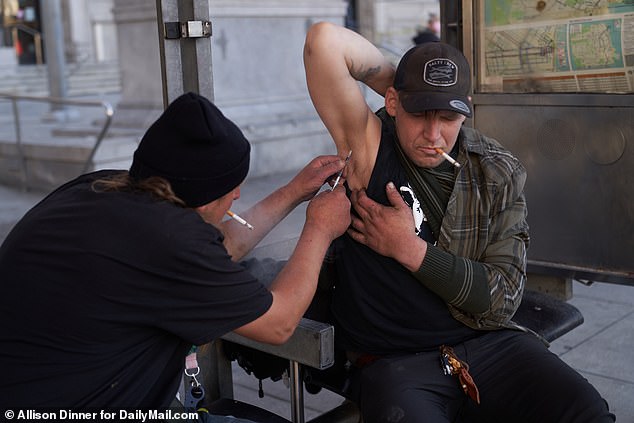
365, 74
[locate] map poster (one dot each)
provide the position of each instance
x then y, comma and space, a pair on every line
561, 46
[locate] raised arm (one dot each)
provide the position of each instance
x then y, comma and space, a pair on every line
335, 60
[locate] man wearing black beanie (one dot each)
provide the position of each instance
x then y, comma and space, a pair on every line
108, 282
196, 148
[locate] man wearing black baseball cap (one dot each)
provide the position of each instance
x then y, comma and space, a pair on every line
434, 264
108, 282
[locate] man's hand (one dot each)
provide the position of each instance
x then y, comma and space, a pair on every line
313, 176
330, 212
388, 230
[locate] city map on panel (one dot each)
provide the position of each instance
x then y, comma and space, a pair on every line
558, 46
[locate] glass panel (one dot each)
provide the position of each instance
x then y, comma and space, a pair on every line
572, 46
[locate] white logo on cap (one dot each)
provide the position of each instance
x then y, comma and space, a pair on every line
460, 105
440, 73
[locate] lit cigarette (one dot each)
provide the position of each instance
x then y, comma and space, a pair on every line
239, 219
341, 171
447, 157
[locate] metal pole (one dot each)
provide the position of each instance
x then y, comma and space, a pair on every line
167, 11
185, 61
55, 63
186, 66
18, 144
297, 392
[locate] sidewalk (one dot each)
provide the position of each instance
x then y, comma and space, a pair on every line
600, 349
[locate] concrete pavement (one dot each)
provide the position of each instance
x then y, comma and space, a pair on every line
600, 349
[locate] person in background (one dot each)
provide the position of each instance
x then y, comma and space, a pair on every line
429, 33
434, 265
108, 282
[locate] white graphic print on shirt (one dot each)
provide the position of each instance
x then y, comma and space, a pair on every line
417, 211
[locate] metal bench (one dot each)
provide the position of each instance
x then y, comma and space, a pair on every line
312, 359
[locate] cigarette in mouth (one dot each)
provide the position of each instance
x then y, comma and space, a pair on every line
239, 219
447, 157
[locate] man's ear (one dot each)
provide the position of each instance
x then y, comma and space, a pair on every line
203, 210
391, 101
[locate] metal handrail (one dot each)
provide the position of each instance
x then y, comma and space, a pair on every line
108, 110
37, 39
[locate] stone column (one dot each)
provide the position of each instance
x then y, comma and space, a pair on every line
90, 31
138, 45
396, 23
257, 49
55, 61
258, 73
366, 18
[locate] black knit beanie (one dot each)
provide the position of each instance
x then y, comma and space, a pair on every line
196, 148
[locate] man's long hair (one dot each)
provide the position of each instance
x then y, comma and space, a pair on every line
158, 187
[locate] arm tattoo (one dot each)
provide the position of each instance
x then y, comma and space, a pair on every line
364, 75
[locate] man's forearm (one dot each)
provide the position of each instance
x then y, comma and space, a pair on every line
292, 289
264, 216
460, 282
297, 282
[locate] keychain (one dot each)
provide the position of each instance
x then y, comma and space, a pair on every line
196, 392
452, 366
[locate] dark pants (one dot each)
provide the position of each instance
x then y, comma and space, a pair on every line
519, 380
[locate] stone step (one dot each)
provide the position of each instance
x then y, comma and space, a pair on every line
46, 166
286, 144
50, 162
72, 68
82, 79
7, 56
285, 135
57, 152
92, 131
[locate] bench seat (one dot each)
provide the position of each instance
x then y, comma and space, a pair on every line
540, 312
314, 361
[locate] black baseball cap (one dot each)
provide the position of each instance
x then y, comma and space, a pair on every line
434, 76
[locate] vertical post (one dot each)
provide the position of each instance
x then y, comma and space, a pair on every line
55, 62
297, 392
18, 143
450, 19
186, 66
185, 61
366, 19
217, 376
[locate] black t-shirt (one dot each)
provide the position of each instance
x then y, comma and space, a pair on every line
379, 306
102, 295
